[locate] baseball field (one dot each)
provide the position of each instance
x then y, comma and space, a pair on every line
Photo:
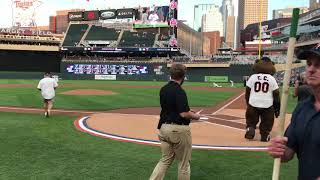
35, 147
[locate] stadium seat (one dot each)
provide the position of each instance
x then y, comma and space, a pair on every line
102, 34
137, 39
74, 34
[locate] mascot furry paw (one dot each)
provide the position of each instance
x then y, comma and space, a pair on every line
263, 100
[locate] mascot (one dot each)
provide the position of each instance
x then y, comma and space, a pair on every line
263, 99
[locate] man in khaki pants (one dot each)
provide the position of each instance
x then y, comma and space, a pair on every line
174, 135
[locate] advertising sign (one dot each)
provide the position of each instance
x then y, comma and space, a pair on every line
91, 15
25, 31
105, 77
108, 14
216, 79
75, 16
107, 69
124, 13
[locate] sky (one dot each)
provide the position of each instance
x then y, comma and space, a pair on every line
49, 7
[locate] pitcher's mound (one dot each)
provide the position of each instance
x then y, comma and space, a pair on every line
88, 92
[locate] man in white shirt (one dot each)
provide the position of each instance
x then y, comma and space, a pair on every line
216, 85
231, 83
153, 17
47, 86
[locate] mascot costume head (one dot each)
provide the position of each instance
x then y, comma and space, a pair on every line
263, 100
264, 66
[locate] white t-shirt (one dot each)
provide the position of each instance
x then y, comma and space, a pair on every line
153, 18
262, 86
47, 86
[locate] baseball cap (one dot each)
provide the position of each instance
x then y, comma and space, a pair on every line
307, 53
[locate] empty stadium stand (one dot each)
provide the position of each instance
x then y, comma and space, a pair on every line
98, 33
89, 35
74, 34
250, 59
137, 39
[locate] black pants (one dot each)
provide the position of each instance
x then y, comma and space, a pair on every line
265, 114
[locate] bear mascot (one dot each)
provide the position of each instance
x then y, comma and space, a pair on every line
262, 98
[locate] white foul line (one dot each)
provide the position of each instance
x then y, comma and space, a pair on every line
235, 121
223, 107
212, 123
54, 110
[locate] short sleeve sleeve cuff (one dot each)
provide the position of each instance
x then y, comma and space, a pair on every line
249, 82
292, 141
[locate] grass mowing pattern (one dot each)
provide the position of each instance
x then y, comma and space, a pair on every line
30, 97
126, 97
132, 83
33, 147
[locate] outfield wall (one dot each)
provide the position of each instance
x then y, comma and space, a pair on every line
135, 71
148, 72
234, 73
29, 61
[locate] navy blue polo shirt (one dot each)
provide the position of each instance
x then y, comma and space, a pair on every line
173, 101
304, 138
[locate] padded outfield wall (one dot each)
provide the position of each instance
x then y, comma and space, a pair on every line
31, 65
135, 71
29, 61
156, 72
150, 72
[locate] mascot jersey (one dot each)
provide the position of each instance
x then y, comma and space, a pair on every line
262, 86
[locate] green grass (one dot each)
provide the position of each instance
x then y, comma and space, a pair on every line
135, 83
33, 147
133, 97
126, 97
292, 102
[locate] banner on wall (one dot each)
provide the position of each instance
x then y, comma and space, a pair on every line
124, 13
91, 15
216, 79
108, 14
105, 77
75, 16
108, 69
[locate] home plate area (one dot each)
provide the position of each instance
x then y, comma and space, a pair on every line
224, 130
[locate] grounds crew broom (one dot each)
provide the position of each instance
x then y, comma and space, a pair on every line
285, 90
